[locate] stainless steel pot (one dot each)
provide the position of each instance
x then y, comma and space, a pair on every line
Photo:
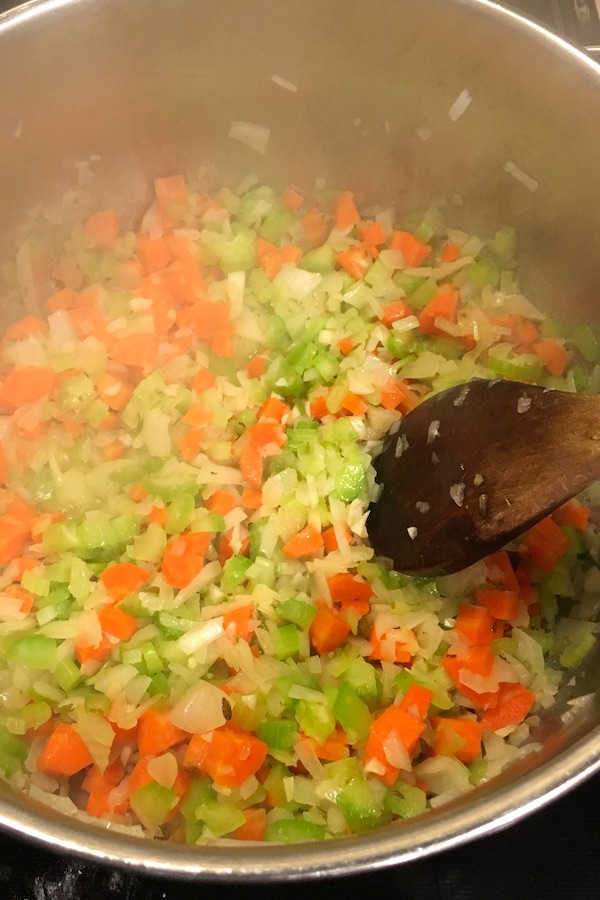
153, 86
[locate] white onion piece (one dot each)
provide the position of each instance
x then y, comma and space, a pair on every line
163, 769
201, 709
61, 331
395, 752
254, 136
299, 282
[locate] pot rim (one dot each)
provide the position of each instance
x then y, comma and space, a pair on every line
482, 812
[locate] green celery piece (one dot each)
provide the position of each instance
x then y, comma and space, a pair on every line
444, 346
406, 800
34, 650
77, 392
293, 831
320, 260
222, 818
167, 487
285, 682
351, 712
484, 272
256, 205
13, 751
239, 253
277, 224
315, 719
378, 274
248, 717
360, 675
425, 292
61, 536
149, 546
33, 715
55, 595
235, 572
67, 674
197, 795
173, 626
520, 367
577, 650
159, 685
35, 584
586, 341
546, 639
327, 365
299, 612
300, 356
80, 584
152, 660
358, 805
154, 802
95, 412
275, 787
286, 641
504, 245
400, 343
275, 333
550, 328
179, 513
280, 735
97, 703
350, 482
408, 283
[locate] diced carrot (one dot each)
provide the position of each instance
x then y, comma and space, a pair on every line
269, 257
254, 827
104, 227
23, 328
354, 404
93, 652
117, 623
393, 312
371, 234
292, 200
153, 253
224, 549
345, 345
139, 776
190, 443
572, 513
502, 605
274, 408
416, 701
222, 502
263, 434
475, 624
113, 450
545, 544
305, 543
354, 260
450, 252
291, 254
553, 355
330, 540
251, 465
123, 579
110, 421
196, 541
137, 350
202, 381
180, 564
3, 465
399, 652
392, 394
22, 564
345, 211
334, 747
100, 788
14, 536
499, 563
171, 198
444, 306
446, 732
256, 367
116, 392
414, 251
327, 631
206, 318
25, 384
315, 227
63, 299
196, 752
222, 343
239, 622
137, 492
156, 733
514, 703
393, 724
19, 593
251, 498
64, 753
525, 333
477, 661
157, 516
319, 408
344, 587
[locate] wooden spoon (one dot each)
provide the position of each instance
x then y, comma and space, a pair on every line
475, 466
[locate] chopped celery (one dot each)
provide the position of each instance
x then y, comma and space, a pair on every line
350, 482
360, 675
277, 224
485, 273
67, 674
293, 831
199, 793
406, 800
278, 735
286, 641
222, 818
34, 650
320, 260
299, 612
585, 340
179, 513
13, 751
239, 253
352, 713
315, 719
154, 802
577, 650
235, 571
76, 392
359, 806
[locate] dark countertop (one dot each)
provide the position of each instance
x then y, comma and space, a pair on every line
554, 854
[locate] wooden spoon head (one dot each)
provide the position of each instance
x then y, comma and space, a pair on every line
475, 466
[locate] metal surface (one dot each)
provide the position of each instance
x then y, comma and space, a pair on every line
152, 87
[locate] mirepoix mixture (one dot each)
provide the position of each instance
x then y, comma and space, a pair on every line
197, 642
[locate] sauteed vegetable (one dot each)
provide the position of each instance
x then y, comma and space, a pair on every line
197, 641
